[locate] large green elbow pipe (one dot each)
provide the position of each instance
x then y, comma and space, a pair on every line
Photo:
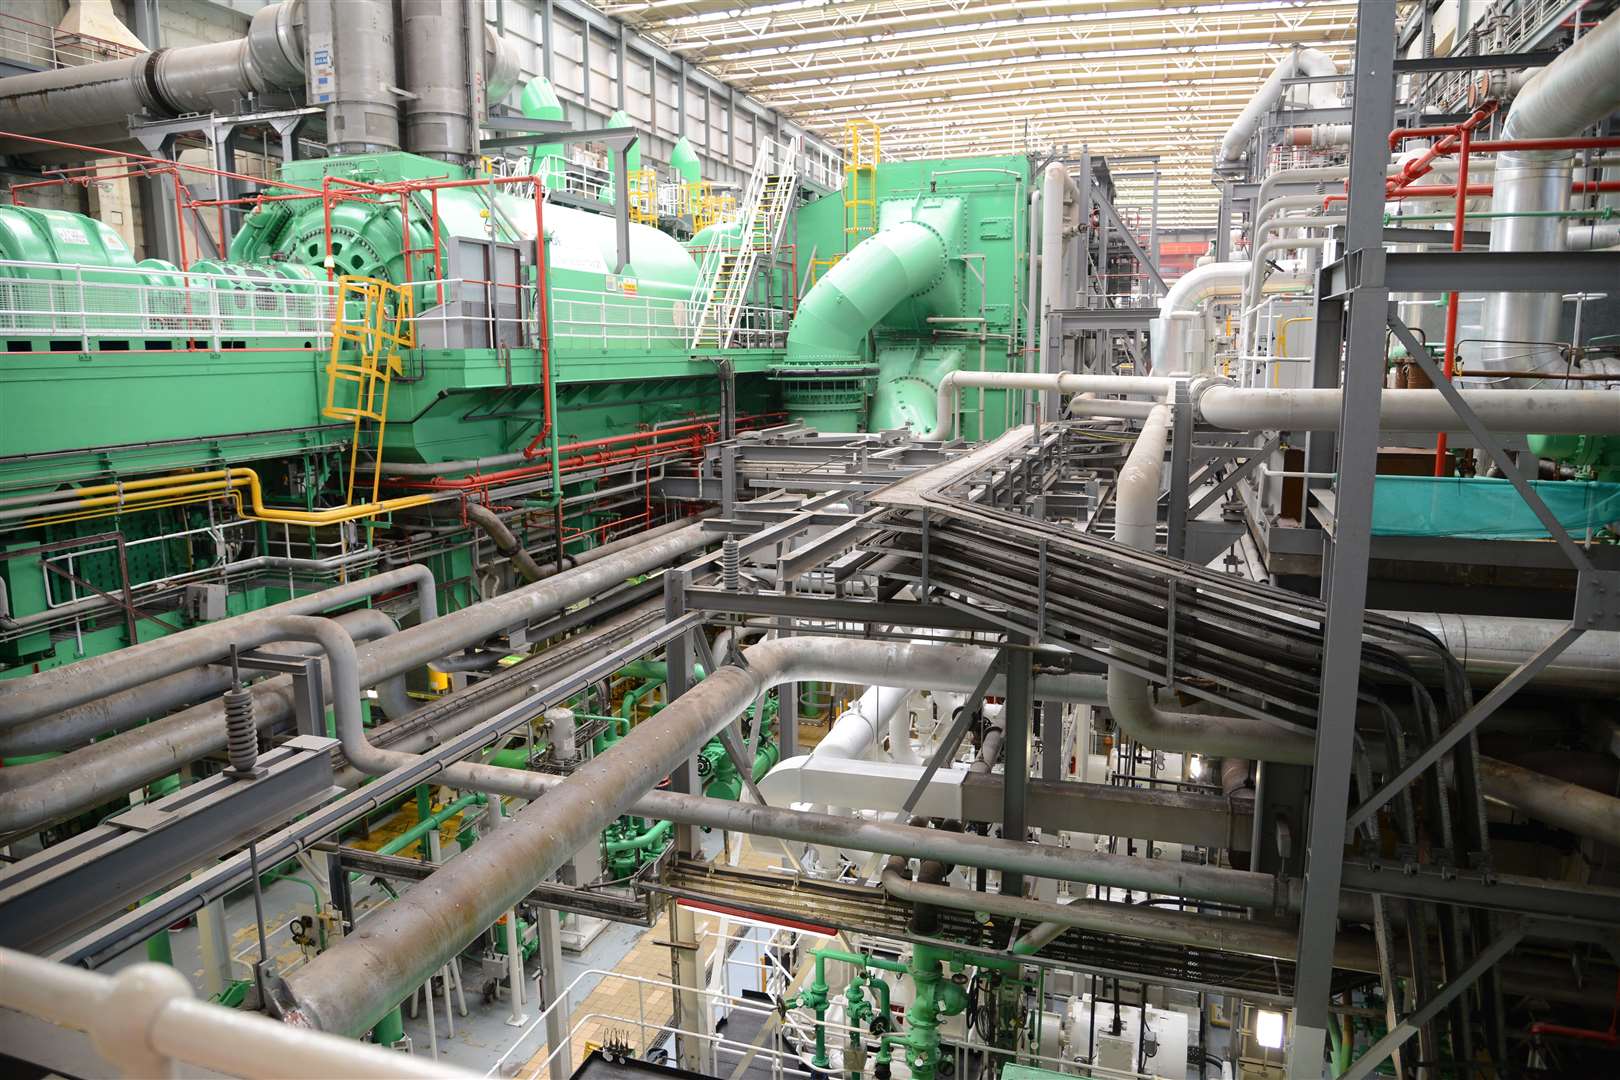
897, 262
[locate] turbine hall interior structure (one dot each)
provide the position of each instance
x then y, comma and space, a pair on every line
911, 540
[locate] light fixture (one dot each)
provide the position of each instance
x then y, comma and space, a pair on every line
1268, 1029
1195, 767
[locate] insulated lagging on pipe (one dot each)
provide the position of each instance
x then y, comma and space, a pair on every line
835, 316
48, 692
1130, 696
1129, 920
1575, 91
79, 725
1553, 412
349, 986
38, 793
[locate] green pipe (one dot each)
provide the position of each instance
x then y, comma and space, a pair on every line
390, 1029
652, 669
539, 101
843, 307
516, 757
651, 838
427, 824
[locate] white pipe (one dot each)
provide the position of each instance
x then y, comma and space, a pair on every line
856, 731
144, 1020
1301, 62
900, 748
862, 785
1062, 382
1552, 412
1187, 295
1130, 696
1058, 194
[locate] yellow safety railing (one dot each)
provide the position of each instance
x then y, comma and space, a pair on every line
709, 206
642, 196
862, 152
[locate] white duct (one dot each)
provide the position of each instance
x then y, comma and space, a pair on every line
1301, 62
1187, 295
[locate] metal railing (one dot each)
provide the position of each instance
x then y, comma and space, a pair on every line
144, 1020
35, 44
821, 166
157, 310
613, 320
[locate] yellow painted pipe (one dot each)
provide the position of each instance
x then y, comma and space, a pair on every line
140, 494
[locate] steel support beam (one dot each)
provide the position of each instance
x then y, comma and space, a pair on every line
1346, 585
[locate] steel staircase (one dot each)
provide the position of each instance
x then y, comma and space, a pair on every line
727, 273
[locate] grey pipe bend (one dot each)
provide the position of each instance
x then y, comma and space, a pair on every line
82, 723
1582, 811
1130, 696
47, 692
37, 794
505, 542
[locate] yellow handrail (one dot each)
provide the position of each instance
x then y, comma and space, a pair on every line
101, 499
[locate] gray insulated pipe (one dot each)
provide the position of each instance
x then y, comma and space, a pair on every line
92, 103
38, 793
1567, 96
454, 66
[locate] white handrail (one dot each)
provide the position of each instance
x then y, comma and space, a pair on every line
144, 1019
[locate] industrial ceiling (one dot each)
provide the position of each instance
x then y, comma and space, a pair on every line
948, 77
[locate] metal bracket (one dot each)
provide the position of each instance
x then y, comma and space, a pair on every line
1597, 600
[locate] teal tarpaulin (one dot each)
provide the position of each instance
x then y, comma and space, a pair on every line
1487, 509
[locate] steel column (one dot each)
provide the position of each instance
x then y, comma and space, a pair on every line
1346, 582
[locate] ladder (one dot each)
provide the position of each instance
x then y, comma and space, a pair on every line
727, 273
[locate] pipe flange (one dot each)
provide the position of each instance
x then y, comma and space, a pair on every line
1198, 386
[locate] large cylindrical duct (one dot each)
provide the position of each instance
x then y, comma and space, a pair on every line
92, 104
1569, 95
442, 42
353, 74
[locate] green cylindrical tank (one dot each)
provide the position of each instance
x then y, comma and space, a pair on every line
548, 160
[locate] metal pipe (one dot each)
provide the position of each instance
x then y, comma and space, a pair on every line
144, 1020
36, 794
79, 725
1307, 62
1553, 412
441, 43
1572, 93
93, 103
362, 100
1062, 382
1130, 696
1490, 647
49, 692
1129, 920
1581, 810
505, 543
